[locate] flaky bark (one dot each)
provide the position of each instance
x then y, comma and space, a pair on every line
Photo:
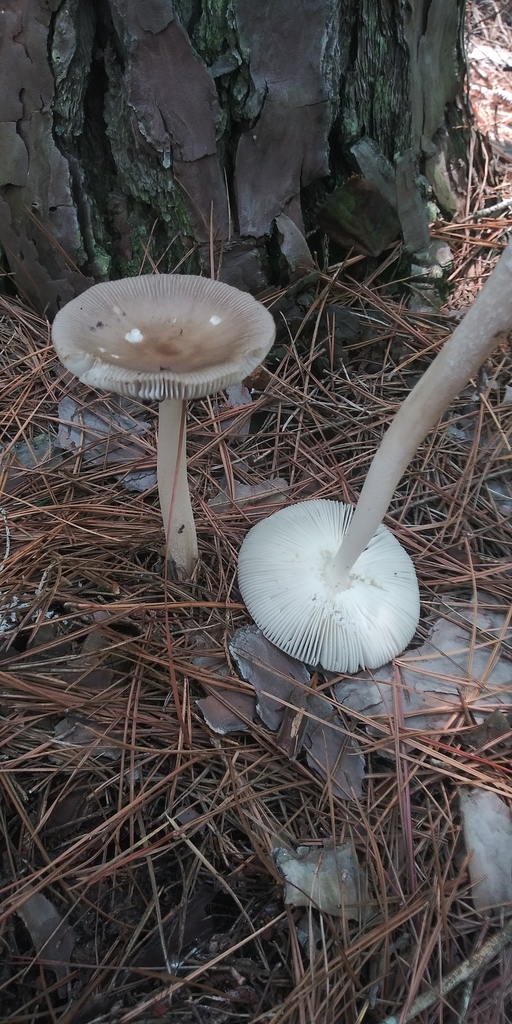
127, 126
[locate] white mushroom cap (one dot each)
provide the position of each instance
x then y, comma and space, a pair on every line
163, 336
287, 581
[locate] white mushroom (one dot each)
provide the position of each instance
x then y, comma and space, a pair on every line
287, 577
167, 337
323, 590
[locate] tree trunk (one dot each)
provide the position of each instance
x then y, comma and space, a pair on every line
133, 133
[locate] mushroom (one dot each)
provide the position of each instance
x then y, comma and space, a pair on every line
335, 588
167, 337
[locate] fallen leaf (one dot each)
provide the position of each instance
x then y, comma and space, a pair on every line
226, 710
96, 679
500, 492
305, 720
331, 753
73, 731
270, 492
309, 935
495, 727
445, 677
185, 815
487, 824
24, 457
269, 670
99, 663
54, 939
190, 923
237, 396
259, 378
43, 639
88, 668
65, 812
326, 878
107, 437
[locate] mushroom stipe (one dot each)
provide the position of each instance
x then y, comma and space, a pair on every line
167, 337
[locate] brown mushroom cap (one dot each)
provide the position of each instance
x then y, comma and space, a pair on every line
163, 336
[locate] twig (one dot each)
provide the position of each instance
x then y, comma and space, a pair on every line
3, 517
467, 969
497, 208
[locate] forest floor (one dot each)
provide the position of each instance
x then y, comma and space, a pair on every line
157, 783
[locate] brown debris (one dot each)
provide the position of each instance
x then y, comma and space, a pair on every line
52, 936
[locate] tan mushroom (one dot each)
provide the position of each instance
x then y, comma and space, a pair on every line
167, 337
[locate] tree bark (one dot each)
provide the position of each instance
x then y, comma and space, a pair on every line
132, 134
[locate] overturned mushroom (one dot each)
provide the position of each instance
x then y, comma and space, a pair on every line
167, 337
315, 578
290, 585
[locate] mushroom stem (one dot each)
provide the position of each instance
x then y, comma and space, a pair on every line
171, 467
461, 357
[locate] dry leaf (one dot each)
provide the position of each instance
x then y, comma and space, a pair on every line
53, 938
487, 824
185, 815
183, 925
500, 491
270, 492
270, 671
305, 720
225, 710
236, 396
89, 667
94, 435
495, 727
309, 935
327, 878
434, 678
65, 811
96, 679
331, 753
74, 731
26, 456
